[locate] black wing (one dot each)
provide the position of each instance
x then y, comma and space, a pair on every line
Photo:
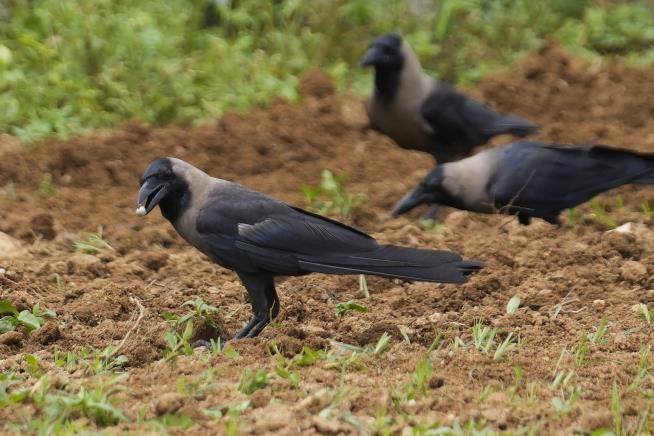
550, 177
249, 230
461, 123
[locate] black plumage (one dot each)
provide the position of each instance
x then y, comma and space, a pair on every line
423, 114
530, 179
260, 238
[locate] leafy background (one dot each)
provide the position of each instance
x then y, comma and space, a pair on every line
70, 66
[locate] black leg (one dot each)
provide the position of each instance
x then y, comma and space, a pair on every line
264, 301
524, 219
431, 213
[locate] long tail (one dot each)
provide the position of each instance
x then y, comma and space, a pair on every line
396, 262
509, 124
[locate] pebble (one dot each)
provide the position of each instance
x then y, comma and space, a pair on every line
598, 302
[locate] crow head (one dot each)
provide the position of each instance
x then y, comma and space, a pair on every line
160, 182
385, 52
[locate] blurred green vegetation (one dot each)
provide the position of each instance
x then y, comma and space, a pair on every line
69, 66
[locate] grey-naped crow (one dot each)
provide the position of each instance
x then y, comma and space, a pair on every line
530, 179
260, 238
420, 113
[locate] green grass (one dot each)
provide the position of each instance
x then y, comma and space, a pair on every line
11, 318
66, 67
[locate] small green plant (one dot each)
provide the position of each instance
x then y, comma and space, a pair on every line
574, 215
431, 225
509, 343
600, 214
565, 401
251, 381
419, 378
176, 343
351, 305
619, 202
598, 336
483, 336
283, 369
330, 196
47, 186
644, 312
646, 210
92, 242
30, 320
644, 368
581, 351
201, 310
616, 409
363, 285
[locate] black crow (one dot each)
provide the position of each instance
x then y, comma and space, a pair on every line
260, 238
530, 179
423, 114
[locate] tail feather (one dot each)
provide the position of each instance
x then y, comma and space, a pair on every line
397, 262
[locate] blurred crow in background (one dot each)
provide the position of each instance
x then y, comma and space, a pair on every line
420, 113
260, 238
530, 179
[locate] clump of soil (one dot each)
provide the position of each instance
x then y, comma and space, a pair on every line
567, 278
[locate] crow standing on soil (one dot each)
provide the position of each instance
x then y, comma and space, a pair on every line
423, 114
530, 179
260, 238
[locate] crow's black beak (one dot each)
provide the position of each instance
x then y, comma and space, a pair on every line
411, 199
373, 56
150, 194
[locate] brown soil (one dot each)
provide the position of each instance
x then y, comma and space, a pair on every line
567, 278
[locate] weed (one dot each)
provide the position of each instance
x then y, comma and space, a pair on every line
616, 409
483, 336
600, 214
643, 368
330, 196
176, 343
59, 282
644, 312
47, 186
646, 210
251, 381
598, 336
343, 308
574, 215
431, 225
363, 285
92, 242
29, 320
509, 343
201, 310
565, 401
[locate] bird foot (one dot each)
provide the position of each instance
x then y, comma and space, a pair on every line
253, 327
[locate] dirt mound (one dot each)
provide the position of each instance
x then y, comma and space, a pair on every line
567, 278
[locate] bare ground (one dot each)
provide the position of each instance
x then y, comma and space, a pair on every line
567, 278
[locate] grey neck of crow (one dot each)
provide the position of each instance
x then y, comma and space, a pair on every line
179, 200
389, 80
465, 182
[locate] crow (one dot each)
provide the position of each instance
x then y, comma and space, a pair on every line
423, 114
260, 238
530, 179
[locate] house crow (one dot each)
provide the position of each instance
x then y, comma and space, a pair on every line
530, 179
420, 113
260, 238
